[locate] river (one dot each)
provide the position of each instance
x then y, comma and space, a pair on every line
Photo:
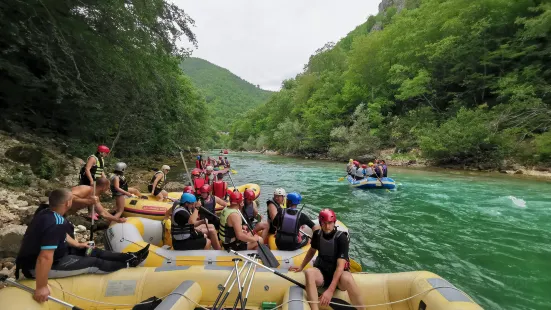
489, 235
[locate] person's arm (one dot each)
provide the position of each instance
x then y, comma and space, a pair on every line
83, 195
235, 220
220, 202
272, 211
193, 219
106, 215
43, 266
116, 184
91, 161
159, 176
305, 220
255, 210
307, 258
75, 244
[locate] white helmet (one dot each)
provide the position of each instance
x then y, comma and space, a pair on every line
210, 168
120, 166
280, 192
165, 167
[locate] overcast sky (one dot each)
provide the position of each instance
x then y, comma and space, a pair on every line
267, 41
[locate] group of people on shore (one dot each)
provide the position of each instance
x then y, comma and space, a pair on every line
49, 248
358, 171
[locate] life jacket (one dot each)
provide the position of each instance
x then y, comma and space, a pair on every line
122, 183
279, 210
288, 233
96, 170
211, 206
219, 189
161, 183
226, 163
327, 253
248, 212
384, 171
181, 232
226, 233
197, 183
360, 173
209, 178
197, 164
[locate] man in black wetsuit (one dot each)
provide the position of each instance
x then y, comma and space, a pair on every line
49, 249
331, 268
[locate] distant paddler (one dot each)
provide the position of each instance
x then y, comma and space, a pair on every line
157, 183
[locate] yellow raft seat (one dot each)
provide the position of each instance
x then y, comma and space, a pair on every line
137, 232
193, 287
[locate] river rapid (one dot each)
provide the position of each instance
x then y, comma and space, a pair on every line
489, 235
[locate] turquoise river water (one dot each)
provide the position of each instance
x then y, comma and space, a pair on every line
489, 235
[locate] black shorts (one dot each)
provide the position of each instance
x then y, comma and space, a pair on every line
84, 181
328, 278
189, 244
156, 192
292, 246
236, 246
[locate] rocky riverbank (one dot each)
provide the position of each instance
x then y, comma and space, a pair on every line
30, 167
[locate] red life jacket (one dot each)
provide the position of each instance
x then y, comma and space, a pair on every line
197, 164
219, 189
197, 183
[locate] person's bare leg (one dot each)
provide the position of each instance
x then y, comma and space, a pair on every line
347, 283
119, 203
134, 191
211, 233
207, 245
264, 227
314, 279
253, 245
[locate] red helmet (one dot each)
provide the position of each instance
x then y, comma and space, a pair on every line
364, 166
189, 189
236, 197
219, 157
205, 188
356, 163
249, 194
196, 171
327, 215
103, 149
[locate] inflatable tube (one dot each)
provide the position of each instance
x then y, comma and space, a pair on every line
185, 285
137, 232
372, 183
241, 188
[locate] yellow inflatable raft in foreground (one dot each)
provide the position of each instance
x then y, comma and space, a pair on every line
194, 287
137, 232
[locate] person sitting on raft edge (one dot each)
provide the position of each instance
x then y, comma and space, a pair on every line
49, 250
288, 236
332, 266
231, 232
158, 182
120, 189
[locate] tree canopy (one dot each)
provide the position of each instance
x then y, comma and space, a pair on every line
99, 72
466, 82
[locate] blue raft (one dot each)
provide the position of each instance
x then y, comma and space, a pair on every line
372, 183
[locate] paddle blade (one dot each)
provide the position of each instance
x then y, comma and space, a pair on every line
266, 256
341, 179
355, 266
233, 171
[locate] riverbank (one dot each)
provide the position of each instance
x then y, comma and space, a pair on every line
414, 160
31, 167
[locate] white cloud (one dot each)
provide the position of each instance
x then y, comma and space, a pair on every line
265, 42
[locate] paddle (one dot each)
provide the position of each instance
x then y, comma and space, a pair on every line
277, 273
91, 242
185, 166
266, 255
4, 278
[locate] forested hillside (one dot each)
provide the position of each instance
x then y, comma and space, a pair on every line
227, 95
462, 82
99, 72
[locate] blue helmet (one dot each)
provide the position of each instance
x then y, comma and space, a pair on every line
187, 197
294, 198
199, 157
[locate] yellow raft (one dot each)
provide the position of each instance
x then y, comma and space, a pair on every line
254, 187
192, 287
137, 232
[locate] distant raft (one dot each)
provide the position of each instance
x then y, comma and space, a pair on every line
372, 183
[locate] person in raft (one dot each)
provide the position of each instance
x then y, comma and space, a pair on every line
275, 206
199, 162
219, 187
332, 266
83, 197
157, 183
226, 162
209, 176
49, 250
200, 226
250, 212
120, 189
208, 204
93, 169
288, 236
182, 229
231, 231
197, 180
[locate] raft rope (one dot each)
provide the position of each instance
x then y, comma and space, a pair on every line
196, 260
277, 307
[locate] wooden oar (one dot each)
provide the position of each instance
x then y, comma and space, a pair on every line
185, 166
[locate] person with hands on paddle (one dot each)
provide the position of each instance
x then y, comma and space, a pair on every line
231, 231
332, 267
209, 202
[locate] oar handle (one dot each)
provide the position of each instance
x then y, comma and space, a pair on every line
208, 211
30, 290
